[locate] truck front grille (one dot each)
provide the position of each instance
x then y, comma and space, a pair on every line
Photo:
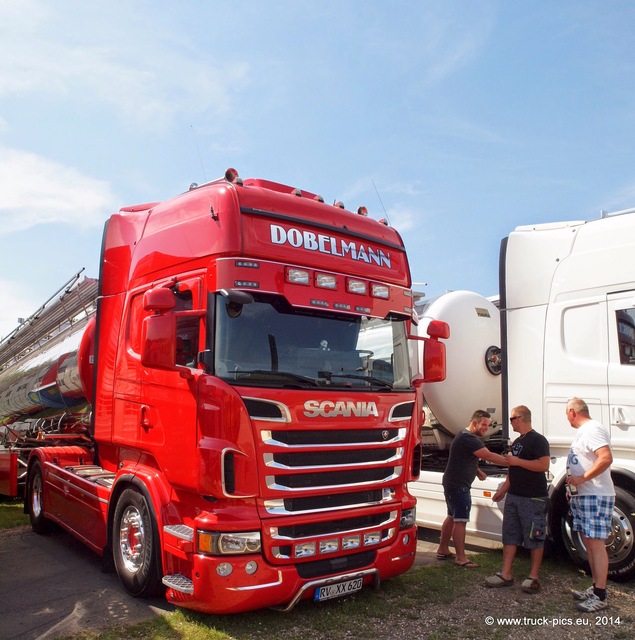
341, 484
334, 469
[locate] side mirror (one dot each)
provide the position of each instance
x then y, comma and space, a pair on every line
236, 295
434, 359
438, 329
158, 300
158, 334
158, 342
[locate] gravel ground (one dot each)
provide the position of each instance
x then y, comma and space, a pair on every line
473, 611
508, 612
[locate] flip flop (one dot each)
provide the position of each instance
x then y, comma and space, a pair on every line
445, 556
468, 564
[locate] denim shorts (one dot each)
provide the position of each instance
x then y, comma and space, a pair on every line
592, 515
459, 502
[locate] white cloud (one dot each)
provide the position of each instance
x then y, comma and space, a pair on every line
437, 41
66, 52
38, 191
14, 304
368, 185
405, 218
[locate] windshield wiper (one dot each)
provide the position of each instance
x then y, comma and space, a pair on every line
279, 374
328, 375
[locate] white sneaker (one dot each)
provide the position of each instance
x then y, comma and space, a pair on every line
583, 595
592, 604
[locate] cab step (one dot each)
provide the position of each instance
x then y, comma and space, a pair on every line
179, 583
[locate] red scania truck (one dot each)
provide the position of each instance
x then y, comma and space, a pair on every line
228, 413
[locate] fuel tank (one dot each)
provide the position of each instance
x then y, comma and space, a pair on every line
47, 363
473, 378
53, 377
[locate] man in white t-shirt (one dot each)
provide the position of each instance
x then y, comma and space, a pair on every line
592, 498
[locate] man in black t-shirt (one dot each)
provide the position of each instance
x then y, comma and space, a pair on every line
526, 501
466, 450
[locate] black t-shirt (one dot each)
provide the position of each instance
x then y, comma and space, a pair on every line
462, 463
522, 482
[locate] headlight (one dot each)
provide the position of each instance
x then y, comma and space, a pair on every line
221, 544
408, 518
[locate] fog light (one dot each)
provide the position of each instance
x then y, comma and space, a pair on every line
251, 567
372, 538
351, 542
356, 286
380, 291
304, 549
325, 280
297, 276
329, 546
406, 539
224, 569
408, 518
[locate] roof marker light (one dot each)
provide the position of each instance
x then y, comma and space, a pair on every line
231, 175
319, 198
339, 204
362, 211
297, 192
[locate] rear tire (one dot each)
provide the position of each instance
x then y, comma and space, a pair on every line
135, 544
620, 545
39, 523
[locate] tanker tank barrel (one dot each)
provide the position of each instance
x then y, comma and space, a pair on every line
75, 300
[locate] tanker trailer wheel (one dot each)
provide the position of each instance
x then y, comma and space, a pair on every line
35, 495
620, 545
135, 544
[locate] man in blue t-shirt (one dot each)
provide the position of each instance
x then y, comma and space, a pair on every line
466, 450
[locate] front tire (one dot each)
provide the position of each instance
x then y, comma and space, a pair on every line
135, 543
620, 545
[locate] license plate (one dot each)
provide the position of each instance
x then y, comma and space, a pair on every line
337, 590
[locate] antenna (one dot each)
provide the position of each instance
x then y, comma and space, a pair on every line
381, 201
198, 152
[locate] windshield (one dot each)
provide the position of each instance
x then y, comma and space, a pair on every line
268, 343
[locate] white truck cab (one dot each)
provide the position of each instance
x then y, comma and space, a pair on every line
565, 325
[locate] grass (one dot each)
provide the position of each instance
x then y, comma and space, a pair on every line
11, 513
402, 601
437, 601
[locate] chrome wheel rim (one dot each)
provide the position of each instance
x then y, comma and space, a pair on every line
131, 539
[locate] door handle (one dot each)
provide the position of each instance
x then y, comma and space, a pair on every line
619, 417
144, 417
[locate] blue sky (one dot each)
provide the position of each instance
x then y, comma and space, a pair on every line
462, 118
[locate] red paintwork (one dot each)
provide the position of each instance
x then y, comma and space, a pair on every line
165, 432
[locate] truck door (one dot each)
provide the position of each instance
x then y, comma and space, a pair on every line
621, 367
168, 424
128, 377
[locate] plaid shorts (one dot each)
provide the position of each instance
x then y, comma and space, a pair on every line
592, 515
